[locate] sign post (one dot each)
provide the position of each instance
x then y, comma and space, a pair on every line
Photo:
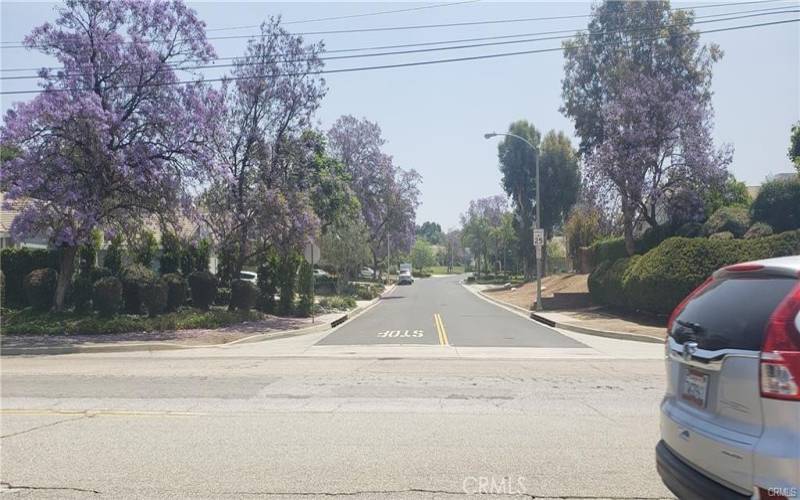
312, 254
538, 243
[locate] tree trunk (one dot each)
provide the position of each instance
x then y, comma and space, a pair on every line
67, 266
627, 224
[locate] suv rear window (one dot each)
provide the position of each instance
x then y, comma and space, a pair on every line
732, 313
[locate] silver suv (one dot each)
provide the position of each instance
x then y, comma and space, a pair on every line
730, 419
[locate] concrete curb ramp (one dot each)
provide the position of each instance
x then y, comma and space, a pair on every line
542, 318
171, 346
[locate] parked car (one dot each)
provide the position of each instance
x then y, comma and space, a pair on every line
730, 419
405, 278
319, 273
367, 273
249, 276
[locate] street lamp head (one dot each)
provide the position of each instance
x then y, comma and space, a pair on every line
489, 135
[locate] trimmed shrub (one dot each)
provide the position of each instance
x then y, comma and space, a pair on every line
99, 272
177, 290
154, 296
606, 283
778, 204
203, 287
2, 289
267, 284
113, 257
134, 279
107, 295
724, 235
143, 247
170, 260
223, 297
733, 219
40, 288
18, 262
81, 293
305, 286
287, 281
243, 295
337, 303
662, 277
690, 230
758, 230
609, 249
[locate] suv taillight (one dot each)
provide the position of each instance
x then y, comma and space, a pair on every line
780, 354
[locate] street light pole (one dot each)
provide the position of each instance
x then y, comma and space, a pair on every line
537, 222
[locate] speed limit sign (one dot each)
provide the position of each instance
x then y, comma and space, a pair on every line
538, 237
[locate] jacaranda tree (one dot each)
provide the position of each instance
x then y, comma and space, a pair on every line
638, 86
259, 198
113, 135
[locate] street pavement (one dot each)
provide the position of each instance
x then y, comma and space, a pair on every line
489, 413
418, 313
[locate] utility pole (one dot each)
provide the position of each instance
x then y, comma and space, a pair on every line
388, 259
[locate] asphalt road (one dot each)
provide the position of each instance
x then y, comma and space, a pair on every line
440, 311
163, 426
498, 406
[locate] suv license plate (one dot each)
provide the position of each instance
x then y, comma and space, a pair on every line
695, 388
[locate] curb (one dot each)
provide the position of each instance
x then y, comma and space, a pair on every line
169, 346
576, 328
593, 331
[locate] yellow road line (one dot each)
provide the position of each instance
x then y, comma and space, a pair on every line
437, 319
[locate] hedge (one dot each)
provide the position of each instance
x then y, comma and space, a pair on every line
203, 287
177, 290
18, 262
778, 204
243, 295
135, 278
40, 288
734, 219
657, 281
107, 296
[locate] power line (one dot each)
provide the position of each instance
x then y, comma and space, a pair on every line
430, 26
396, 65
749, 14
351, 16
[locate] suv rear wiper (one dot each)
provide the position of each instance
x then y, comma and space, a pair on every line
695, 327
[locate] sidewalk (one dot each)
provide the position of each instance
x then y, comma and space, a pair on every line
569, 308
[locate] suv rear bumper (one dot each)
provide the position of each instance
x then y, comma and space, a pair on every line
687, 483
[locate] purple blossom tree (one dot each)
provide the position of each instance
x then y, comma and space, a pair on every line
388, 194
638, 86
114, 136
256, 198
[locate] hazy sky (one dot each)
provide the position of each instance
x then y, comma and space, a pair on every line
434, 117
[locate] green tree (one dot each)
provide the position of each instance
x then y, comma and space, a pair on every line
305, 289
794, 146
431, 232
778, 204
583, 227
171, 253
114, 253
731, 193
422, 255
144, 246
345, 246
517, 166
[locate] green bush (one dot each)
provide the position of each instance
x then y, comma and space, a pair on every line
170, 260
609, 249
154, 297
144, 247
99, 272
267, 284
287, 281
758, 230
662, 277
113, 257
176, 290
337, 303
107, 295
243, 295
18, 262
778, 204
305, 288
40, 288
606, 283
723, 235
690, 230
734, 219
223, 297
2, 289
81, 292
135, 278
203, 287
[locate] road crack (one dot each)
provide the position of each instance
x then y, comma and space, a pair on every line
9, 486
44, 426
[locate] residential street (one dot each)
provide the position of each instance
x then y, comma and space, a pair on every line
560, 415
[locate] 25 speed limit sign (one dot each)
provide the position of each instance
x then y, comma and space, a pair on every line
538, 237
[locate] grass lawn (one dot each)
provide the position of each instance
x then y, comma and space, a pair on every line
30, 322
